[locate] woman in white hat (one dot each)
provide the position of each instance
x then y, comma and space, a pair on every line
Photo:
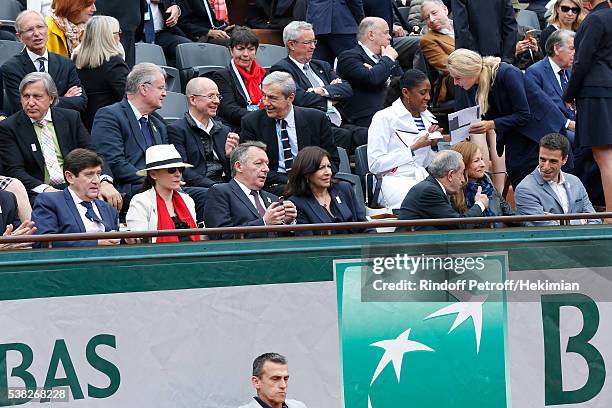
160, 206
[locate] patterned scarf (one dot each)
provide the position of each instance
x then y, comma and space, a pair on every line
487, 188
220, 9
72, 32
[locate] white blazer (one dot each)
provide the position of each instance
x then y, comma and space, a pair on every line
390, 135
142, 214
290, 403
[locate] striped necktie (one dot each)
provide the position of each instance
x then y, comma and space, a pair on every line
56, 176
287, 156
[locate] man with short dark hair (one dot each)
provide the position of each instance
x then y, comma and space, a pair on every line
242, 202
270, 379
77, 209
32, 31
430, 199
548, 190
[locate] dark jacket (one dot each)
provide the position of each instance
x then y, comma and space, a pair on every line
104, 85
61, 69
234, 104
194, 21
185, 135
542, 75
312, 129
369, 84
427, 200
335, 16
8, 216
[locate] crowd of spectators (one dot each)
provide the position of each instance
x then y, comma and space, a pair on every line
84, 143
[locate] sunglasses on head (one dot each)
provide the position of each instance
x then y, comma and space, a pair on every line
173, 170
566, 9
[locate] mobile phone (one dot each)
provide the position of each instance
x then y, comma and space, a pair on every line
530, 34
280, 200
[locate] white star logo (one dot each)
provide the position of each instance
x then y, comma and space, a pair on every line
394, 352
465, 309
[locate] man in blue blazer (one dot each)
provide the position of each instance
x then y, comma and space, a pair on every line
77, 208
123, 131
553, 73
335, 24
242, 202
368, 68
61, 69
548, 190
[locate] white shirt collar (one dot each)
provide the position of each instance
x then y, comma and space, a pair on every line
298, 63
442, 185
401, 111
47, 117
369, 53
137, 112
561, 179
244, 188
75, 197
554, 66
199, 124
34, 57
290, 118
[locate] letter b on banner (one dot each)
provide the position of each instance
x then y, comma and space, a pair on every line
551, 306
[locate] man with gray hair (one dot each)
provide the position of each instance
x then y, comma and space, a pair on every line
242, 202
124, 130
368, 68
286, 129
271, 379
35, 140
430, 199
33, 33
317, 84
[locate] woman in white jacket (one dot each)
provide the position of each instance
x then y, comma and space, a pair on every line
400, 139
161, 206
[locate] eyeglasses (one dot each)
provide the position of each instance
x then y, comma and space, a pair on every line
118, 32
160, 88
40, 28
566, 9
212, 97
311, 42
173, 170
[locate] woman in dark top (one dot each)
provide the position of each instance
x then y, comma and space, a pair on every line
318, 198
240, 83
513, 106
100, 65
566, 15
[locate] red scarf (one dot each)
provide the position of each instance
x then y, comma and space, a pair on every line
252, 81
164, 221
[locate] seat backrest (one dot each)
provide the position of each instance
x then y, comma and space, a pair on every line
9, 49
191, 55
345, 166
174, 106
269, 54
356, 184
9, 10
405, 12
361, 160
152, 53
528, 18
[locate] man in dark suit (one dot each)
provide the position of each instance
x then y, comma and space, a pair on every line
130, 15
32, 32
35, 141
335, 24
242, 202
368, 68
199, 23
317, 85
160, 27
123, 131
430, 199
202, 142
76, 209
286, 129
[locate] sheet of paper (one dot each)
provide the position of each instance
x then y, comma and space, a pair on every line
459, 123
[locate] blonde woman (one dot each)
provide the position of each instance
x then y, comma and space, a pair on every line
518, 111
100, 65
566, 15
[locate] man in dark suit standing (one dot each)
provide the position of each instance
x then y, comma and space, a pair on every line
202, 142
335, 24
35, 141
317, 85
368, 68
430, 199
286, 129
77, 209
242, 202
32, 32
123, 131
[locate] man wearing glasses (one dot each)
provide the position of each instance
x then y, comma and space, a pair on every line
123, 131
203, 142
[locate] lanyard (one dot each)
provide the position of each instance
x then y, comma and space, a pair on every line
207, 7
248, 97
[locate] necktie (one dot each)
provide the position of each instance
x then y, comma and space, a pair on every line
287, 156
91, 214
258, 205
146, 131
41, 64
563, 77
149, 26
315, 81
56, 176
